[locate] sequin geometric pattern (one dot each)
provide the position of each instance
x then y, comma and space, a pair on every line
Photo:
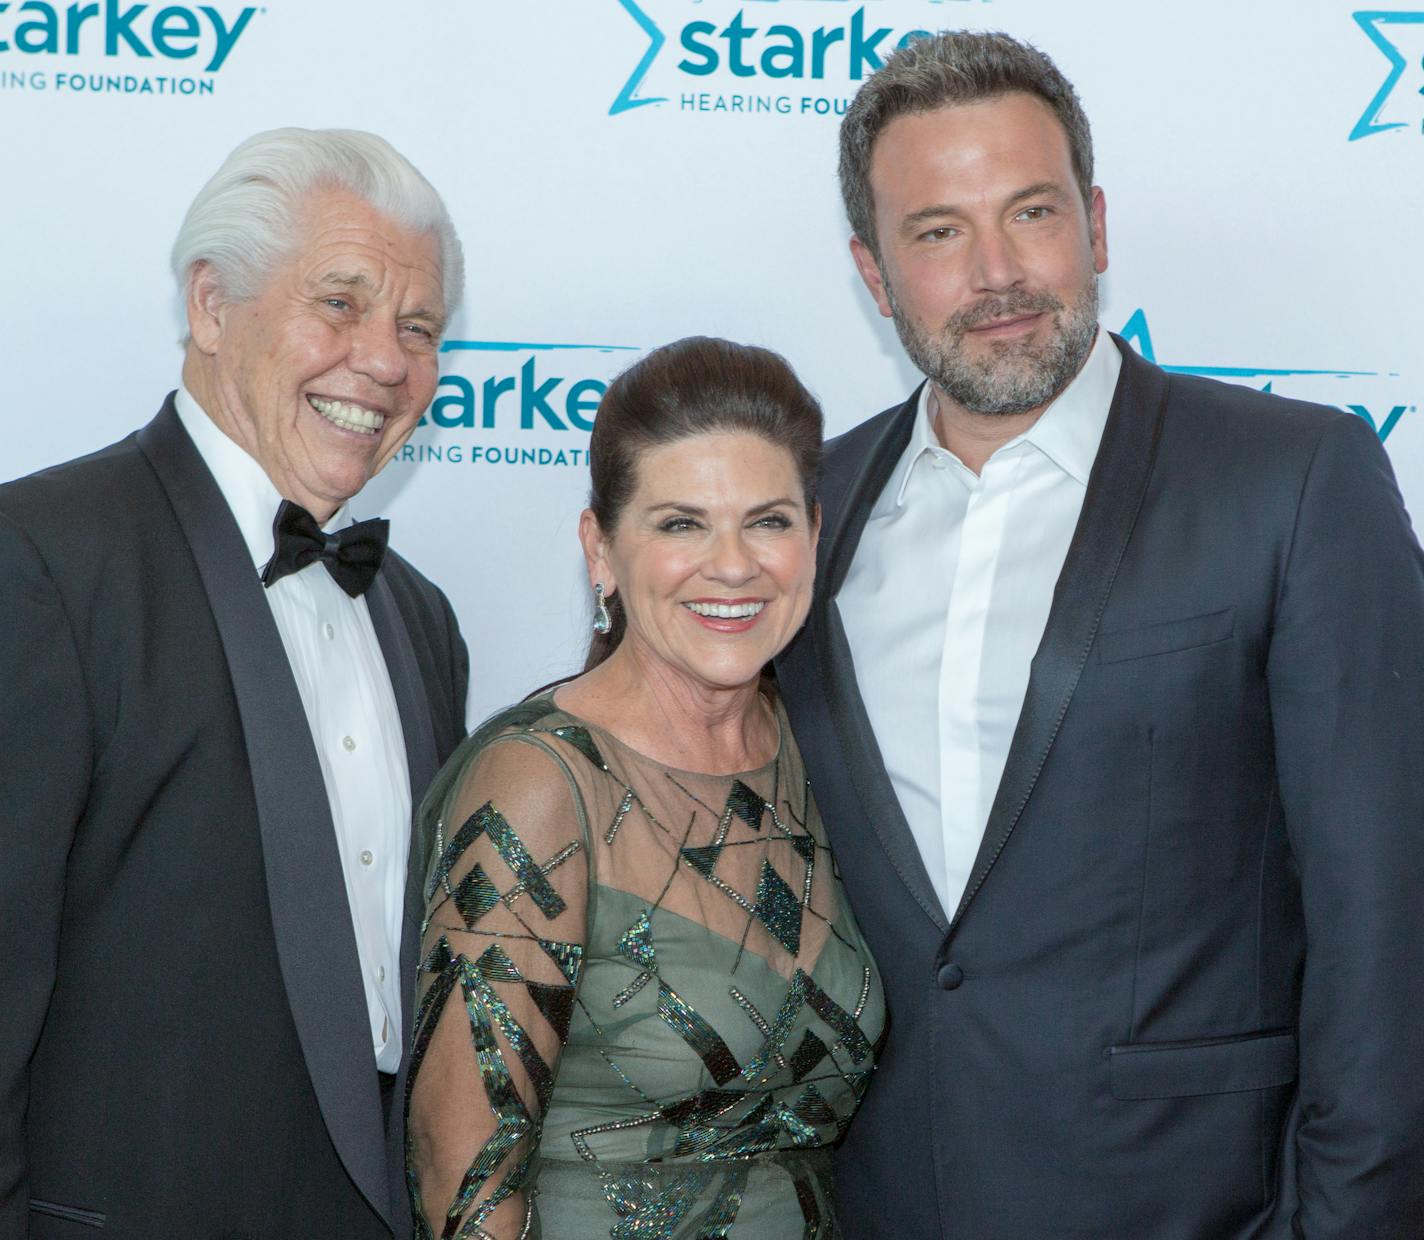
644, 1009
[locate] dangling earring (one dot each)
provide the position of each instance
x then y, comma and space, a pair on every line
602, 621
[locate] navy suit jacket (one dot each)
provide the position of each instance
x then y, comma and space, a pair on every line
185, 1049
1180, 998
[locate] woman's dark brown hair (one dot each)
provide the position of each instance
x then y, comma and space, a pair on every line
697, 386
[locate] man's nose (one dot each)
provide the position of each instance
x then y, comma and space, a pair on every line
997, 266
376, 351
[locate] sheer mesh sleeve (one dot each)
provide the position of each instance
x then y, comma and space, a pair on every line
506, 922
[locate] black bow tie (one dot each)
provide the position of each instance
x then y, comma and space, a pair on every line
351, 556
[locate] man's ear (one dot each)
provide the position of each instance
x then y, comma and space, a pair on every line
869, 268
595, 553
205, 308
1098, 222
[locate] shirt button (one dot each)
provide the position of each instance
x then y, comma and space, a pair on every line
367, 856
949, 976
329, 631
380, 973
348, 744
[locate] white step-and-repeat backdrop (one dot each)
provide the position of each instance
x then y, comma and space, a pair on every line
624, 172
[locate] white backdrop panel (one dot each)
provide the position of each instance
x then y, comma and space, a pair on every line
624, 172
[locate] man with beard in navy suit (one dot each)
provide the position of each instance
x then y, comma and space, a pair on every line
1113, 701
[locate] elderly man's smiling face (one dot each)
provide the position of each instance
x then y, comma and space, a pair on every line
323, 376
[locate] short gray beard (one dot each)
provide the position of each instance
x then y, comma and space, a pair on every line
1019, 376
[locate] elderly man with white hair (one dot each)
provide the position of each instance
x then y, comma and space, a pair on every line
221, 694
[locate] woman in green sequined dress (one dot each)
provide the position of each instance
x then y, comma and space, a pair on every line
645, 1009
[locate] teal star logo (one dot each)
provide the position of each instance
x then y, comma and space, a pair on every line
628, 96
1373, 22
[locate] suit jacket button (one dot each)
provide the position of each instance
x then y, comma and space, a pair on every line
949, 976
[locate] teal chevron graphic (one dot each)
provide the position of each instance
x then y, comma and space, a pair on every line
1382, 419
524, 346
1137, 333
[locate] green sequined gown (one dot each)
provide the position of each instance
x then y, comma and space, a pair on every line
644, 1008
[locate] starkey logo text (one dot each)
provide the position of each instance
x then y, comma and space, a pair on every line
771, 57
109, 47
515, 403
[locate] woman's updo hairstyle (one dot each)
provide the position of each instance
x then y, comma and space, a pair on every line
696, 386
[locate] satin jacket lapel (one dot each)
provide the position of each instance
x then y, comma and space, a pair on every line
413, 703
1116, 488
311, 918
847, 708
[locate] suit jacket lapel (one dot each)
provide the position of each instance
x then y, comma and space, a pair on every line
413, 703
311, 917
847, 708
1116, 488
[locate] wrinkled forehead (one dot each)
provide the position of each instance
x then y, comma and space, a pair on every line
343, 242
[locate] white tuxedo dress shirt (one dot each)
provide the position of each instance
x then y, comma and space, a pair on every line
351, 708
946, 600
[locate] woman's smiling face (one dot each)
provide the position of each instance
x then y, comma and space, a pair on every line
713, 557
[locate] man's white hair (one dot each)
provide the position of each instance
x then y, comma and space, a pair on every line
244, 221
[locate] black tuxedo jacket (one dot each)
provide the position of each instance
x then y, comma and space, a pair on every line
1181, 996
185, 1048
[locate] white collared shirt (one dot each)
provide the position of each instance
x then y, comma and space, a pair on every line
350, 706
946, 601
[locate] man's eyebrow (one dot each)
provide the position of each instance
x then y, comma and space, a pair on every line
360, 280
425, 314
1043, 189
941, 210
938, 211
348, 279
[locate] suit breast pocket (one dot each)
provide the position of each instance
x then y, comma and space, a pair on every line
1144, 1070
50, 1218
1166, 638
